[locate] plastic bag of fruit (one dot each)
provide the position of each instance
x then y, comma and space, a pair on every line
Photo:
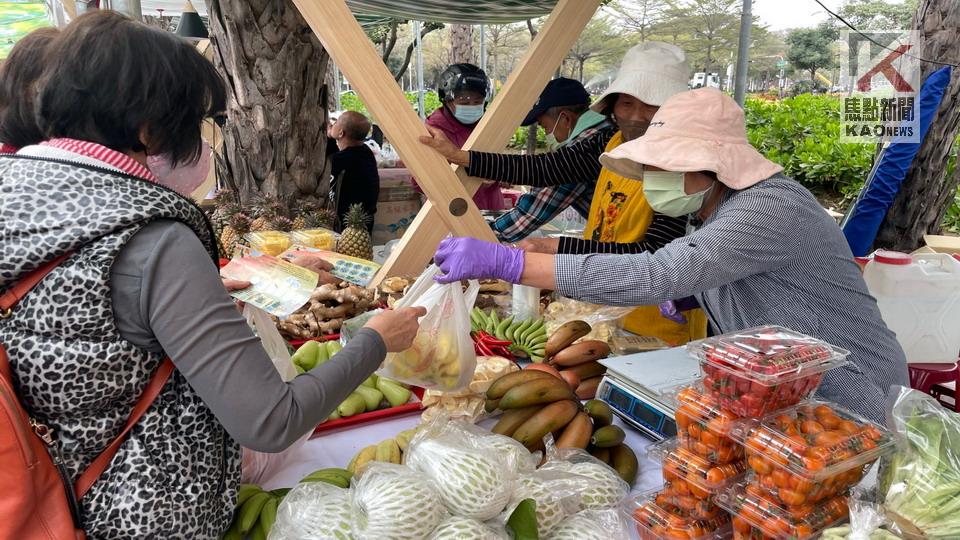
603, 487
867, 522
442, 356
313, 510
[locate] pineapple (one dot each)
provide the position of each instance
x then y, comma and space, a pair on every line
355, 239
267, 209
225, 206
282, 223
325, 218
299, 223
238, 226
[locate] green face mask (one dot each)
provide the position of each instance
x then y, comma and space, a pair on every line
665, 194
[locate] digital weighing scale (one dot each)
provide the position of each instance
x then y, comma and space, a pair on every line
634, 384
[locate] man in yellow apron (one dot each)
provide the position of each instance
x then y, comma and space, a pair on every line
650, 73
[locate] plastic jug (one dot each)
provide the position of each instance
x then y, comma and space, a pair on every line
919, 298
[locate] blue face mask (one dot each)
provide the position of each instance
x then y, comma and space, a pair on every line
468, 114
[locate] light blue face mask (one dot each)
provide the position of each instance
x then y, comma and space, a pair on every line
468, 114
665, 194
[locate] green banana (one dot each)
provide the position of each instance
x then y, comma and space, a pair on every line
492, 322
515, 332
233, 533
333, 476
257, 532
247, 491
250, 511
501, 331
268, 515
280, 492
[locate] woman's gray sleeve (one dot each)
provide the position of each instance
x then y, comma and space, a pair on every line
182, 307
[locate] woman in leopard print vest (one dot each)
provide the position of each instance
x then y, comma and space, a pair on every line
141, 283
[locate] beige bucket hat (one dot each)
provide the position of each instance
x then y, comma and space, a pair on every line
697, 130
651, 72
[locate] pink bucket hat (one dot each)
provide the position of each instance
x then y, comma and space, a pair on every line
696, 130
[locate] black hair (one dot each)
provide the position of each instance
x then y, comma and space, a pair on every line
18, 78
109, 78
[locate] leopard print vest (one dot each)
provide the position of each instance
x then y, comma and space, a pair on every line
177, 473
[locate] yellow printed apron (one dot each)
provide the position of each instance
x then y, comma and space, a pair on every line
619, 212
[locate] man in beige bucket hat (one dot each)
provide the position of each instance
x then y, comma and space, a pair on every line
620, 220
763, 253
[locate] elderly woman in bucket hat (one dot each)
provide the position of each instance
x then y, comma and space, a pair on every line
763, 250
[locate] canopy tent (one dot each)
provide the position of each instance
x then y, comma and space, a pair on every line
447, 11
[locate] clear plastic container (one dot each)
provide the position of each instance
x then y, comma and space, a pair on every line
756, 515
676, 497
319, 238
691, 473
702, 426
272, 243
816, 441
794, 491
653, 522
760, 370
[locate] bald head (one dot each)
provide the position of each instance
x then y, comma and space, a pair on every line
354, 126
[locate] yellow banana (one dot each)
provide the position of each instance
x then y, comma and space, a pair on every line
388, 451
403, 438
363, 457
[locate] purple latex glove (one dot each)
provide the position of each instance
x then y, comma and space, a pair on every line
469, 258
669, 310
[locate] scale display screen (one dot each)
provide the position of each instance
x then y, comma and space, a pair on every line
638, 412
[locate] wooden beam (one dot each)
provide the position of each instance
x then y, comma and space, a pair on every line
561, 31
356, 57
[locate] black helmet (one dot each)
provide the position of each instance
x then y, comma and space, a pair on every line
460, 77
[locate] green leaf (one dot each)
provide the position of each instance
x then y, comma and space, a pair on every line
523, 521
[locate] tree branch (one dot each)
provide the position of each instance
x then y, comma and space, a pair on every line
426, 29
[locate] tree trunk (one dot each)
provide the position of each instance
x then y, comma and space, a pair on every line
274, 140
813, 74
461, 44
926, 192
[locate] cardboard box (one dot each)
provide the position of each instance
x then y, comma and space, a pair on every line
942, 244
392, 220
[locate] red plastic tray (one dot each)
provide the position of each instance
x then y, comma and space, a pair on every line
296, 343
372, 416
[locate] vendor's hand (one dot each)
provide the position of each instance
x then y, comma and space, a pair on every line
540, 245
469, 258
232, 285
439, 142
397, 327
319, 265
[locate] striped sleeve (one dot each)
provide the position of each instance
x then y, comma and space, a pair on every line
578, 163
662, 231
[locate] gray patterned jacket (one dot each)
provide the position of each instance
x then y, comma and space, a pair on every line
176, 474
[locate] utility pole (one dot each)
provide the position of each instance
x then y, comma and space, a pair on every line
740, 79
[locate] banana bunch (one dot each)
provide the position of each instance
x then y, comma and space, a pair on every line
387, 451
256, 511
529, 337
333, 476
538, 401
373, 394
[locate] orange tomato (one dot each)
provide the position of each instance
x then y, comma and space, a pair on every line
740, 525
848, 427
801, 485
782, 478
830, 421
791, 498
811, 427
829, 438
813, 463
823, 410
710, 438
683, 417
694, 430
760, 465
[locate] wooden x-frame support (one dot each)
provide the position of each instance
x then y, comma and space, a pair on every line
450, 207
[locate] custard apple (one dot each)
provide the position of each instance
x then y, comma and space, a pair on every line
471, 484
461, 528
580, 526
605, 488
510, 452
392, 502
314, 511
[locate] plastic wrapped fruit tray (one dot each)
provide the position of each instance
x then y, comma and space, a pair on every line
817, 442
690, 473
653, 522
757, 371
676, 497
703, 427
757, 515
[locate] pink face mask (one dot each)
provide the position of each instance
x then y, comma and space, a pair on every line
184, 179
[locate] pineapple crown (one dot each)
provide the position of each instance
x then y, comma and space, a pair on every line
240, 223
225, 196
282, 223
324, 218
355, 217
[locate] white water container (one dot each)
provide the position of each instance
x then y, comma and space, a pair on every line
919, 298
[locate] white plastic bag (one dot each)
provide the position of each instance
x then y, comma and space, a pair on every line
604, 489
603, 524
442, 356
314, 511
257, 466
